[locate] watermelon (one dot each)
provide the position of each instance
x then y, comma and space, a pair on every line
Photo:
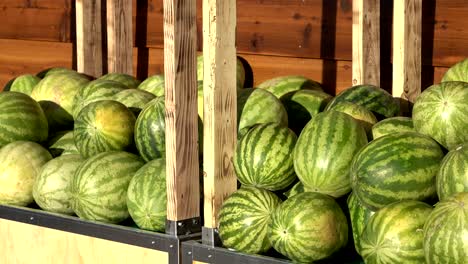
365, 117
153, 84
396, 167
62, 144
146, 196
240, 71
244, 219
308, 227
392, 125
21, 118
359, 216
282, 85
54, 70
452, 176
394, 234
374, 98
20, 164
102, 126
50, 189
94, 91
134, 99
441, 112
445, 231
458, 72
297, 188
263, 157
324, 151
99, 186
126, 79
8, 85
24, 83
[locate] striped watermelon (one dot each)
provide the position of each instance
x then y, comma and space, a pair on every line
153, 84
297, 188
244, 219
21, 118
20, 164
394, 234
396, 167
445, 231
263, 157
282, 85
308, 227
375, 99
102, 126
126, 79
146, 196
24, 83
134, 99
453, 173
50, 190
54, 70
365, 117
99, 186
150, 135
458, 72
324, 150
392, 125
62, 144
240, 71
359, 216
441, 112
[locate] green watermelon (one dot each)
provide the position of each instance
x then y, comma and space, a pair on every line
54, 70
99, 186
24, 83
359, 216
126, 79
297, 188
374, 98
102, 126
394, 234
441, 112
392, 125
445, 231
50, 190
21, 118
365, 117
308, 227
146, 196
458, 72
62, 144
153, 84
244, 219
453, 173
324, 151
240, 71
94, 91
282, 85
263, 157
134, 99
20, 164
396, 167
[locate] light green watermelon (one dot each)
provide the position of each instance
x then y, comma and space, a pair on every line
126, 79
134, 99
282, 85
62, 144
153, 84
24, 83
452, 176
458, 72
359, 216
392, 125
365, 117
54, 70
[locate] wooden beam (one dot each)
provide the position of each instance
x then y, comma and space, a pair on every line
220, 105
88, 37
119, 36
366, 42
180, 69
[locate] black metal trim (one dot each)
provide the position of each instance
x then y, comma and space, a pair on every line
210, 237
183, 227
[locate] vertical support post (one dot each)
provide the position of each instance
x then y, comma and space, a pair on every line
180, 69
220, 108
88, 37
119, 36
366, 42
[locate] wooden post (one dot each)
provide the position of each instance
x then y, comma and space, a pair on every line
119, 36
220, 108
180, 69
88, 37
407, 32
366, 42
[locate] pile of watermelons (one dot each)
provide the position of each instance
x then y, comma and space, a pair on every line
323, 178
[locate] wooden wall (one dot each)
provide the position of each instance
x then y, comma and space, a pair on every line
277, 37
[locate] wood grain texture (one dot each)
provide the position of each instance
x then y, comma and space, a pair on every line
180, 69
24, 243
220, 107
119, 36
89, 37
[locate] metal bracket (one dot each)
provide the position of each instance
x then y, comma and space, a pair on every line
210, 237
183, 227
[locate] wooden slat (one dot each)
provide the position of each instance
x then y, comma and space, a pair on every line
180, 69
220, 111
119, 36
88, 37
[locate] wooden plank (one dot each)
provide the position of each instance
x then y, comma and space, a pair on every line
119, 36
88, 37
180, 69
407, 49
366, 42
45, 245
220, 107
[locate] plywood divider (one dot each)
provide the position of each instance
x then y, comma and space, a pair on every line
119, 36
